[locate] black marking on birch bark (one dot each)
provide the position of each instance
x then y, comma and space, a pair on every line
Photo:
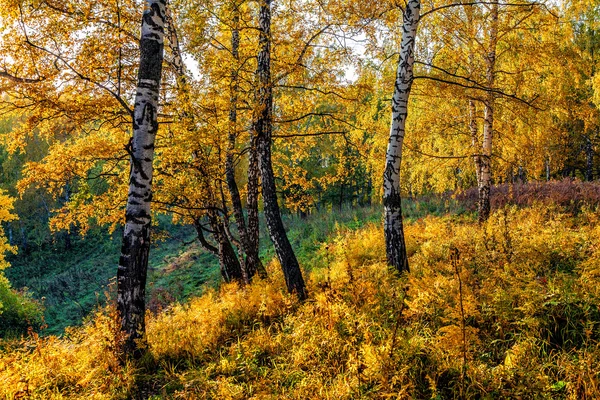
133, 263
133, 181
393, 225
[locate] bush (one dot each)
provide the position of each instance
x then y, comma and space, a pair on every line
570, 194
18, 311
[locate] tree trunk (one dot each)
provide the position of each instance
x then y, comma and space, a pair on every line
133, 264
393, 227
252, 263
475, 139
231, 269
473, 127
488, 120
589, 159
263, 130
252, 207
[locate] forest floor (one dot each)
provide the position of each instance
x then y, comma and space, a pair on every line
71, 283
507, 309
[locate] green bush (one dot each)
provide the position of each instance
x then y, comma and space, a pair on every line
18, 311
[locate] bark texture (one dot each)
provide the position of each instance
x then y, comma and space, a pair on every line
248, 234
263, 131
133, 263
488, 120
589, 159
475, 139
231, 269
252, 207
393, 227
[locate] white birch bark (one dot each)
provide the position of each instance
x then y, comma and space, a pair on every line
488, 119
133, 264
475, 139
393, 227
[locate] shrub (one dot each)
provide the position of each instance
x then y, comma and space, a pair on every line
18, 311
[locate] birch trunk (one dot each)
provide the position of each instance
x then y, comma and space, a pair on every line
133, 264
263, 131
248, 237
229, 264
393, 227
488, 120
475, 139
473, 128
252, 206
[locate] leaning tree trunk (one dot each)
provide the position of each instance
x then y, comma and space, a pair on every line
231, 269
228, 261
393, 228
133, 264
488, 120
229, 264
263, 131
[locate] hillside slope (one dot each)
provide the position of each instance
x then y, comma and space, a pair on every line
505, 310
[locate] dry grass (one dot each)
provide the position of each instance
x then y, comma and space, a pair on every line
524, 325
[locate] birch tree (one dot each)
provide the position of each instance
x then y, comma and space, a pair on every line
133, 264
484, 180
249, 233
263, 126
393, 228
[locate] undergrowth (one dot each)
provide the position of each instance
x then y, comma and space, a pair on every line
504, 310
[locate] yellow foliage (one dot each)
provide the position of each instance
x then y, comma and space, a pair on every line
520, 322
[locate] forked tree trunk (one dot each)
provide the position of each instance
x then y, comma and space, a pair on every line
488, 120
248, 235
263, 130
133, 264
229, 264
393, 228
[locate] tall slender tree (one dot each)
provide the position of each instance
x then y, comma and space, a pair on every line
393, 227
249, 233
485, 160
263, 126
133, 264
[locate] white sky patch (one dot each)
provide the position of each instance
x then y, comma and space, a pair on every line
191, 65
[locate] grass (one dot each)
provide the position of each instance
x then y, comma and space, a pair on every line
71, 283
508, 309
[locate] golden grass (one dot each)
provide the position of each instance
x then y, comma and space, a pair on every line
524, 325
